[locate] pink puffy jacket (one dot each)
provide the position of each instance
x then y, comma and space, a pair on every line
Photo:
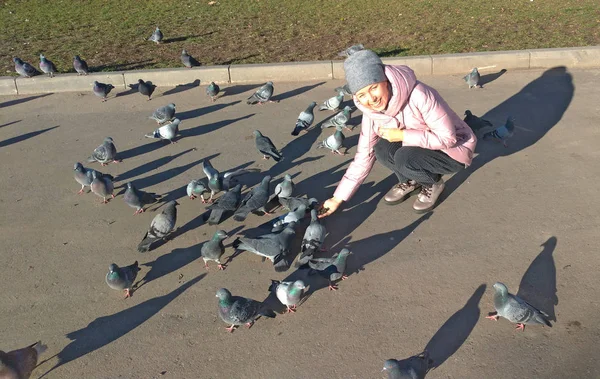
427, 121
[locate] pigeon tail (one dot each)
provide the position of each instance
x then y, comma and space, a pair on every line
215, 216
154, 134
144, 245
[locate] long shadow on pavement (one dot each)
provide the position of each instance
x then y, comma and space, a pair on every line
203, 129
204, 110
22, 100
25, 136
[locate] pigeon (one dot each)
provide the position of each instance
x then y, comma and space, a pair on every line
472, 78
212, 90
292, 203
157, 36
84, 176
137, 199
293, 216
80, 66
237, 310
285, 188
334, 142
230, 201
102, 186
266, 147
102, 90
166, 132
255, 200
164, 114
218, 182
305, 119
161, 226
289, 293
415, 367
477, 124
213, 250
272, 246
196, 188
104, 153
515, 309
502, 133
47, 66
351, 50
187, 60
333, 103
19, 364
331, 268
24, 69
262, 95
313, 238
345, 89
146, 88
122, 278
340, 119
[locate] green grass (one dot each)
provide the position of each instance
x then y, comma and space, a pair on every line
111, 35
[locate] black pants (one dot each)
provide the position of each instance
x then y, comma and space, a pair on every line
424, 166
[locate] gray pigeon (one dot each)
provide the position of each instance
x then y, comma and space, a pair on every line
477, 124
351, 50
122, 278
331, 268
104, 153
305, 119
266, 146
20, 363
288, 293
137, 199
166, 132
285, 188
164, 114
102, 90
292, 203
237, 310
196, 188
157, 36
262, 95
102, 186
515, 309
273, 246
503, 132
213, 250
293, 216
340, 119
415, 367
345, 89
187, 60
333, 103
146, 88
334, 142
80, 66
84, 176
161, 226
212, 90
313, 238
229, 202
255, 200
472, 78
218, 182
47, 66
24, 69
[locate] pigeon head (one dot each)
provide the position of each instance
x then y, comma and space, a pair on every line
140, 81
129, 185
42, 57
172, 203
171, 105
299, 284
78, 167
266, 180
221, 234
270, 83
113, 268
76, 58
391, 364
287, 177
257, 133
223, 294
108, 139
468, 113
184, 52
501, 289
345, 252
157, 29
17, 60
313, 104
312, 202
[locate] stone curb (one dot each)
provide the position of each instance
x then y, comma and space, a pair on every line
444, 64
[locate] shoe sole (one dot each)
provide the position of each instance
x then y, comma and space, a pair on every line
403, 198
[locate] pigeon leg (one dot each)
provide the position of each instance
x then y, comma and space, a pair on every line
103, 164
291, 309
493, 317
117, 160
332, 287
210, 199
206, 265
231, 328
202, 198
249, 324
264, 156
192, 197
520, 327
149, 98
113, 195
81, 190
222, 266
127, 293
273, 101
104, 201
344, 277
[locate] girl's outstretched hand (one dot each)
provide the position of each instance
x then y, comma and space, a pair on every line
329, 206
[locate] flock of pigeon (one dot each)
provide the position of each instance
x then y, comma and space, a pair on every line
275, 245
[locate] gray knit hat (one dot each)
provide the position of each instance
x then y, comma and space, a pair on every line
363, 68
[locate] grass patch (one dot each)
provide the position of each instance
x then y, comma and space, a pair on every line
111, 35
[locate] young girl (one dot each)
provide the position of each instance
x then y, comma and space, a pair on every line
408, 127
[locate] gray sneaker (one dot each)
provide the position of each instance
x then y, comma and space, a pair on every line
428, 197
401, 192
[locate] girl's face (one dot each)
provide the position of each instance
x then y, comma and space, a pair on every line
375, 96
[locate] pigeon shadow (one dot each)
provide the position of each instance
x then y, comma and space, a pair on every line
22, 100
205, 110
142, 149
237, 89
194, 223
295, 92
160, 177
147, 167
235, 60
133, 88
488, 78
107, 329
10, 123
185, 38
203, 129
183, 87
390, 52
25, 136
451, 336
537, 107
538, 285
120, 66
